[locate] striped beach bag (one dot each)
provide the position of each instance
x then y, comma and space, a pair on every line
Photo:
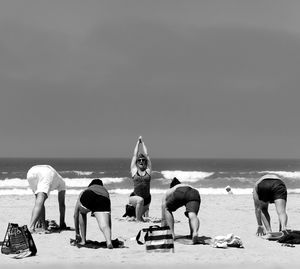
156, 239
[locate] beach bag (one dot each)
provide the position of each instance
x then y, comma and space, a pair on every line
18, 240
129, 211
156, 239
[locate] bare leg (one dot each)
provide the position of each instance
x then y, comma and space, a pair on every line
280, 205
146, 211
38, 211
170, 221
138, 203
194, 224
82, 225
104, 223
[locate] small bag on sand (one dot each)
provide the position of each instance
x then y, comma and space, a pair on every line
129, 211
156, 238
18, 240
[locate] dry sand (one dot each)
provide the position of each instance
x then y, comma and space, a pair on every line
219, 215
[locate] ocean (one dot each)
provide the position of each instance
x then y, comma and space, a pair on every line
209, 176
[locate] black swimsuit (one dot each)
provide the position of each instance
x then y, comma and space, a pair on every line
142, 187
96, 199
271, 189
184, 196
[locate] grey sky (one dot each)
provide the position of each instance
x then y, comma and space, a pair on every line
195, 78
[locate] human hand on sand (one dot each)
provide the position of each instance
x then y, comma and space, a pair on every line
260, 230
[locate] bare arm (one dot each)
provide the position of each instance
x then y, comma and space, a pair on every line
62, 208
144, 149
133, 167
163, 215
258, 214
76, 218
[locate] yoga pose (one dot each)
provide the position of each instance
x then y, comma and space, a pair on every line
140, 198
94, 199
42, 180
177, 196
269, 189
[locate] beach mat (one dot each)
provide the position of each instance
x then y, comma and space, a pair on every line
95, 244
187, 240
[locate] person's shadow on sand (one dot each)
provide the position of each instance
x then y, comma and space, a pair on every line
187, 240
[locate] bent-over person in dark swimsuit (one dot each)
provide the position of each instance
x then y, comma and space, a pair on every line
177, 196
94, 199
269, 189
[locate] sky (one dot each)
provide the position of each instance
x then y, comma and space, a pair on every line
197, 79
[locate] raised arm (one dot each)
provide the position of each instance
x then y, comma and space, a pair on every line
133, 167
145, 151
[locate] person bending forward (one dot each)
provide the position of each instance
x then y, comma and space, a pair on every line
94, 199
42, 180
269, 189
177, 196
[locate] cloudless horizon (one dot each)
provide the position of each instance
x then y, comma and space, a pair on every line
197, 79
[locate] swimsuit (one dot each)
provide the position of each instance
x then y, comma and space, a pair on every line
184, 196
142, 187
271, 189
96, 199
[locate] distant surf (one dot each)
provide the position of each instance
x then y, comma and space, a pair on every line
209, 176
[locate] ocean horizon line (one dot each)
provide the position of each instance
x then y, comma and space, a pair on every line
158, 158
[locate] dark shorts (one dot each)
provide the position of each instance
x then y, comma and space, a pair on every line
184, 196
147, 200
269, 190
95, 202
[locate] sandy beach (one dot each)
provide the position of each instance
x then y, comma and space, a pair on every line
219, 215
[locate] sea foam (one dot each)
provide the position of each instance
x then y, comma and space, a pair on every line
186, 176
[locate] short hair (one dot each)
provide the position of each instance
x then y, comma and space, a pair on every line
96, 181
174, 182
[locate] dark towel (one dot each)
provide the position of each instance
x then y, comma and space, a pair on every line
95, 244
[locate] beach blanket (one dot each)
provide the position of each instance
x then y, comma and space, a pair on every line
225, 241
290, 237
95, 244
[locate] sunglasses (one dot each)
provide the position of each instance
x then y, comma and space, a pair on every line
141, 160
